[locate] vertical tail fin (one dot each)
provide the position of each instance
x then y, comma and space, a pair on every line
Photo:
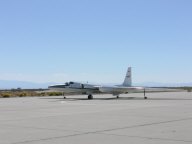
128, 78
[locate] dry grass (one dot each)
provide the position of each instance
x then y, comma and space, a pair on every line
26, 93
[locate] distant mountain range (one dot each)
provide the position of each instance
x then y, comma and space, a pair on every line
6, 84
158, 84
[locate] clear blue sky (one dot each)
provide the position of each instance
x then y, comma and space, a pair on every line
86, 40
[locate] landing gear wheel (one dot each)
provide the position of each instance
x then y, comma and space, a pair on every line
144, 94
90, 97
117, 97
64, 97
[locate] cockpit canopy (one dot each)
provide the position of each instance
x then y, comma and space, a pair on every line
69, 83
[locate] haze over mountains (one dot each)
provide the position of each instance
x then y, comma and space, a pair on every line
8, 84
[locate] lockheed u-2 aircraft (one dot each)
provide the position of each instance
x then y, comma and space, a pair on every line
89, 89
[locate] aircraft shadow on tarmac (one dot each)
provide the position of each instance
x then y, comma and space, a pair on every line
114, 98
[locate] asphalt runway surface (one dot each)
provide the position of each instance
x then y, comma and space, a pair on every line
164, 118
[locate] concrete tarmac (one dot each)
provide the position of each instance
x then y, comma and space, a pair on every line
164, 118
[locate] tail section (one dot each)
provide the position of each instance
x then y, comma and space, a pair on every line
128, 78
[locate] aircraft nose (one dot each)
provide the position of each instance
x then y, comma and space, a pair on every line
56, 86
50, 87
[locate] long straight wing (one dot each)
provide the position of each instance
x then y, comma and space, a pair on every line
156, 89
121, 90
